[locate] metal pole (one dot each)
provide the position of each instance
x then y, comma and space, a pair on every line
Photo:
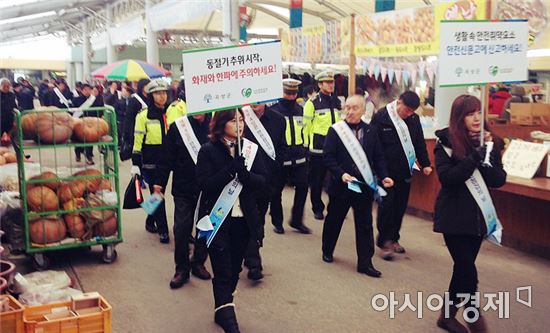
482, 134
238, 135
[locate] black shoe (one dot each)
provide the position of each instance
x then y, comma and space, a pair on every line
90, 161
200, 271
319, 215
328, 258
78, 159
179, 280
301, 228
255, 274
151, 227
226, 318
279, 230
164, 238
370, 271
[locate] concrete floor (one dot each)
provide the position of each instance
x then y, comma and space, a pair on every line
301, 293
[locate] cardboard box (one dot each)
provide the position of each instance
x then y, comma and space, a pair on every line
544, 169
86, 300
530, 114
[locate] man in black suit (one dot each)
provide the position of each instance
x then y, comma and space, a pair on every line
351, 187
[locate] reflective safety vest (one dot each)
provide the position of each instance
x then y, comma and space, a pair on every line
295, 138
294, 131
176, 110
320, 113
147, 131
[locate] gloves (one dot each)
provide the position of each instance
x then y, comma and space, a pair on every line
135, 170
478, 154
237, 165
244, 175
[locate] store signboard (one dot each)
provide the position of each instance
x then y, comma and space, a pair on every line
522, 158
228, 77
479, 52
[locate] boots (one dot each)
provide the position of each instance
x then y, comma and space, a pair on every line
450, 324
226, 318
478, 326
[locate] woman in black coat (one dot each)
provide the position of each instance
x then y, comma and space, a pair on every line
218, 164
457, 215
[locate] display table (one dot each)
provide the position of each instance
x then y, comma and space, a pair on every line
523, 207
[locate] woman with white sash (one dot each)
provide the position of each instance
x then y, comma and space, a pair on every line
464, 211
231, 219
353, 155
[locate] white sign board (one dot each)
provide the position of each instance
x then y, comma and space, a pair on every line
478, 52
228, 77
522, 158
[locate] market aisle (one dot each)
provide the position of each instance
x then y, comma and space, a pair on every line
300, 293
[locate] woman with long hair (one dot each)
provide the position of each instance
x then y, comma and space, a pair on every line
458, 154
236, 219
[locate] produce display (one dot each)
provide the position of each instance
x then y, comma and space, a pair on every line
47, 229
53, 127
7, 156
90, 129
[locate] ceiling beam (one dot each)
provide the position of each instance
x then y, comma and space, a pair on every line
30, 31
39, 21
43, 6
332, 7
278, 4
269, 12
213, 33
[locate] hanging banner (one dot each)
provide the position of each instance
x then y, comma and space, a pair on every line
537, 12
483, 52
228, 77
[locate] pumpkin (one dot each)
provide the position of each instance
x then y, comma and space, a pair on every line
10, 157
29, 125
76, 225
105, 185
2, 160
46, 230
92, 185
42, 199
96, 216
90, 129
46, 175
71, 190
107, 227
53, 127
3, 150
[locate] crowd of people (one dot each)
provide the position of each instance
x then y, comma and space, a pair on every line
230, 168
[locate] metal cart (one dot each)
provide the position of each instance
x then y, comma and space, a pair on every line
58, 158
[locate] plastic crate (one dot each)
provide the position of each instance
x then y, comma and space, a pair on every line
99, 322
12, 321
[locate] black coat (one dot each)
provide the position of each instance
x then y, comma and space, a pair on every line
134, 107
25, 98
51, 98
289, 110
274, 124
456, 211
176, 158
339, 161
398, 165
7, 104
98, 102
213, 174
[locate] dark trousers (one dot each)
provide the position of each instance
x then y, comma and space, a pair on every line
159, 217
317, 173
252, 258
391, 212
226, 255
463, 250
338, 208
298, 178
184, 210
88, 151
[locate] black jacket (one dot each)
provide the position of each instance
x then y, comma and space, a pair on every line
274, 124
213, 174
98, 102
456, 211
51, 98
339, 161
7, 104
292, 152
176, 158
398, 166
25, 98
134, 107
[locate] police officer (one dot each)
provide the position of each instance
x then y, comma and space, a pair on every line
320, 113
179, 157
150, 130
398, 135
271, 153
178, 108
294, 160
341, 159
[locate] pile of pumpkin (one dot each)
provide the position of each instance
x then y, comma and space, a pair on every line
7, 156
48, 127
69, 195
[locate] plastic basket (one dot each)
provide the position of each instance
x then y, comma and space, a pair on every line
99, 322
12, 321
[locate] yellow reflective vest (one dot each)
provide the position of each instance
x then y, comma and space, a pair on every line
176, 110
320, 113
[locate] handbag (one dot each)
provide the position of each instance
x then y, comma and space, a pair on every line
133, 196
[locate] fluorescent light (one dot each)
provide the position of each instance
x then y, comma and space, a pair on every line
538, 53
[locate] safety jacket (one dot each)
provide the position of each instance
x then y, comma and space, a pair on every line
176, 110
150, 130
320, 113
295, 138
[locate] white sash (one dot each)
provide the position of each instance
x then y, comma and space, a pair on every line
210, 224
354, 148
78, 112
259, 131
62, 98
478, 189
189, 138
140, 100
403, 133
